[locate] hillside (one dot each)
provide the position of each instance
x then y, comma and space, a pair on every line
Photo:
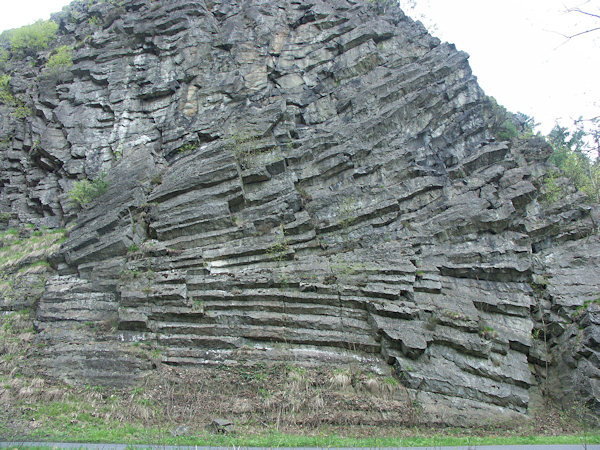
258, 184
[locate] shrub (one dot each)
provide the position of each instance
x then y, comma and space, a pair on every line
190, 146
36, 36
61, 58
6, 96
85, 191
19, 109
5, 217
505, 125
94, 21
4, 58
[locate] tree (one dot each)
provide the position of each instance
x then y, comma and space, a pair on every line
572, 155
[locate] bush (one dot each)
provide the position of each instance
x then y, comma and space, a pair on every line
6, 96
61, 58
19, 109
505, 125
5, 217
36, 36
573, 152
4, 58
84, 191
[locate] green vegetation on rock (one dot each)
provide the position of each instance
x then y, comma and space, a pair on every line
18, 108
61, 58
506, 125
36, 36
571, 155
84, 191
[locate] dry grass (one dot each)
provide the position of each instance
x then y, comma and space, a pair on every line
17, 252
258, 398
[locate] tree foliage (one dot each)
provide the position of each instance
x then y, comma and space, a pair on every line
36, 36
574, 155
506, 125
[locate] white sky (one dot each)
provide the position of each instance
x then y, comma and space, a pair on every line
517, 51
519, 55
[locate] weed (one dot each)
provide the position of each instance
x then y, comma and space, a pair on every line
391, 381
249, 152
304, 195
487, 332
156, 179
94, 21
198, 305
347, 212
189, 147
432, 321
279, 250
342, 268
19, 109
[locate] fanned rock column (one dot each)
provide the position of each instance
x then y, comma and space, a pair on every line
310, 181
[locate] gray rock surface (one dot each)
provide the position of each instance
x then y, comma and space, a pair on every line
310, 181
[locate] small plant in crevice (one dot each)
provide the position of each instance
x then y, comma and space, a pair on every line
84, 191
279, 250
18, 108
189, 147
487, 332
304, 194
347, 215
94, 21
432, 321
250, 153
198, 306
118, 153
156, 179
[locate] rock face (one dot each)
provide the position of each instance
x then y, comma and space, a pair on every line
310, 181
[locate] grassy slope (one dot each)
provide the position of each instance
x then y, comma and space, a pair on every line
280, 405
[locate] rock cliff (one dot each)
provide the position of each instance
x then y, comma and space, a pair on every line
309, 181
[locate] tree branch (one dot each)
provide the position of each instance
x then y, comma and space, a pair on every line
583, 32
583, 12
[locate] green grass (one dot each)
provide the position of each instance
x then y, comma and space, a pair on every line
74, 419
134, 434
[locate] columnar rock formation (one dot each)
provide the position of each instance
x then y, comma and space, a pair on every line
312, 181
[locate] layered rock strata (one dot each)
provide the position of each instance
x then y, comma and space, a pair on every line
312, 181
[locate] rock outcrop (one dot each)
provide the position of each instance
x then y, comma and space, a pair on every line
310, 181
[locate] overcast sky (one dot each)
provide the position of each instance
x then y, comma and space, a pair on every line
517, 49
520, 55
